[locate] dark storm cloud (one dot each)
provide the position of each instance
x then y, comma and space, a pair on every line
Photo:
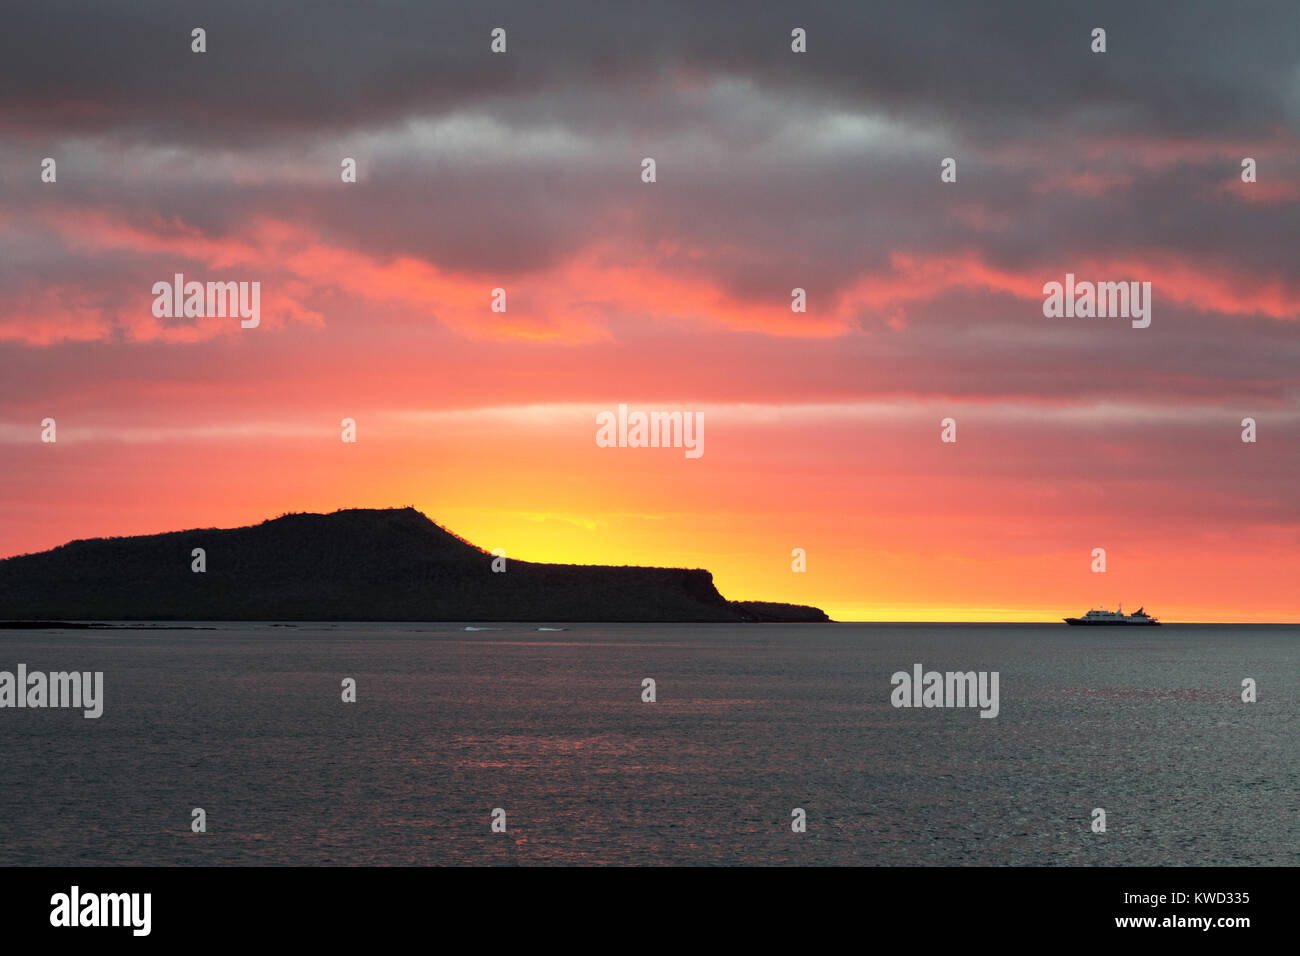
992, 71
756, 188
776, 170
754, 222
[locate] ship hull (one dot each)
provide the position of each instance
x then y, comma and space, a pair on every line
1086, 623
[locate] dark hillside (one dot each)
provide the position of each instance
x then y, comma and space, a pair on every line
358, 565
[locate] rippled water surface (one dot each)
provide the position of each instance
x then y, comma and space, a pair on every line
246, 721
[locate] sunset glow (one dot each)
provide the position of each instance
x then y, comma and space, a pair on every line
822, 429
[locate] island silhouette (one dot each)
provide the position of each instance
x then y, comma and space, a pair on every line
391, 564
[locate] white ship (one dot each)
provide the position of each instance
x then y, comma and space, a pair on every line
1102, 616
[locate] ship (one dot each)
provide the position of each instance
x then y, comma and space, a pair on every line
1102, 616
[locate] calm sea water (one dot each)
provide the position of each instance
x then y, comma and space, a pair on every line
246, 721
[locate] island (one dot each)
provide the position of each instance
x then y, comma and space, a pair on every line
390, 564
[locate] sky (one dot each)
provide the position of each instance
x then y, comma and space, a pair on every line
774, 170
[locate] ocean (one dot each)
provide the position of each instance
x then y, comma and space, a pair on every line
750, 723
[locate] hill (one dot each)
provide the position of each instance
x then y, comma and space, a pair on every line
355, 565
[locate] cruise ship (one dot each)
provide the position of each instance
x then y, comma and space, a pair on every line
1102, 616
